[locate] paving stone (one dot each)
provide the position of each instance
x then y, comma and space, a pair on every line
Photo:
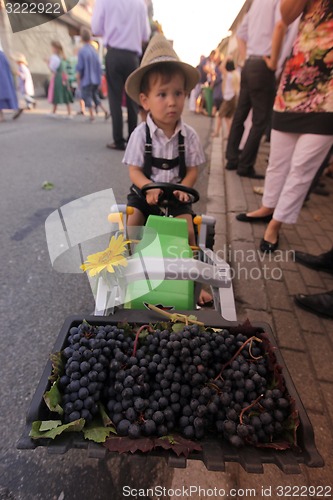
309, 322
327, 391
236, 202
294, 282
324, 441
301, 372
238, 230
328, 281
321, 352
315, 229
287, 330
269, 481
215, 205
256, 316
196, 474
250, 293
325, 242
216, 188
328, 325
310, 277
292, 236
278, 295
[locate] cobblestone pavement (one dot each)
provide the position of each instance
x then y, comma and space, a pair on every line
264, 290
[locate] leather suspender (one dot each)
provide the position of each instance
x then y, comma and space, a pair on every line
162, 163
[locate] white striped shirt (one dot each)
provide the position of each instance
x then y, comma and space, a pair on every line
163, 147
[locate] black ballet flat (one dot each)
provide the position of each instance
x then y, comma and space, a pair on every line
245, 218
267, 247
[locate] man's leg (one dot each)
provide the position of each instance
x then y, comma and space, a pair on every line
237, 127
261, 82
115, 88
130, 64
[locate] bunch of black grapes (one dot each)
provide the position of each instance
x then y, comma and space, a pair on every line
193, 381
87, 361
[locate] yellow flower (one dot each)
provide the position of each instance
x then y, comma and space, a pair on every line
108, 259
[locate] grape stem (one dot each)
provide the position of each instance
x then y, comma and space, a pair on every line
249, 340
143, 327
175, 316
249, 407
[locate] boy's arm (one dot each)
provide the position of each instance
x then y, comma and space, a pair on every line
139, 179
188, 181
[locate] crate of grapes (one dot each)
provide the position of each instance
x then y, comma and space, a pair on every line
178, 388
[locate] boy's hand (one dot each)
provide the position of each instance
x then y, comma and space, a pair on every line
181, 196
152, 196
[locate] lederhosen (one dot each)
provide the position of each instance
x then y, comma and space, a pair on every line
137, 199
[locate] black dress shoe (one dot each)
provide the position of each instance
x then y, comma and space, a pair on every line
118, 147
245, 218
322, 262
268, 247
251, 175
231, 166
319, 303
17, 113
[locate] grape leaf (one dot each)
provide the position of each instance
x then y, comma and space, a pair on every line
47, 425
36, 432
105, 417
47, 185
143, 334
178, 327
57, 366
128, 445
275, 445
52, 399
128, 328
178, 444
97, 433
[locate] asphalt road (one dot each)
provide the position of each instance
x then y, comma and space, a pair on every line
35, 299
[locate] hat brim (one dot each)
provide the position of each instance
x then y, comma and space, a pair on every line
133, 82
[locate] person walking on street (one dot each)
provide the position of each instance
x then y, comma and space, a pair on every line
59, 90
124, 27
257, 85
88, 75
26, 85
8, 99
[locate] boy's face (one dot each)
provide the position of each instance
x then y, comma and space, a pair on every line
165, 101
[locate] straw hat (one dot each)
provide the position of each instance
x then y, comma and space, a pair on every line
21, 58
159, 50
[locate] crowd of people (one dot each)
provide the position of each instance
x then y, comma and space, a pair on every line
282, 85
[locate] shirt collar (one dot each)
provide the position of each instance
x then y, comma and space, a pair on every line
153, 128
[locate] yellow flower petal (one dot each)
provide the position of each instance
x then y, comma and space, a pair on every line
107, 259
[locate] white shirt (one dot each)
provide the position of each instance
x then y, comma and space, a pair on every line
123, 24
163, 147
258, 25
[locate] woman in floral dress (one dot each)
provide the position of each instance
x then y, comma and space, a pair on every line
302, 131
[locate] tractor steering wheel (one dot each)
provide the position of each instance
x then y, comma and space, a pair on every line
167, 196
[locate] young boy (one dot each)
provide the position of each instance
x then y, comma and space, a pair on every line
89, 74
163, 149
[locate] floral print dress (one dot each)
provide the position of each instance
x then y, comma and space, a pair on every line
304, 100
